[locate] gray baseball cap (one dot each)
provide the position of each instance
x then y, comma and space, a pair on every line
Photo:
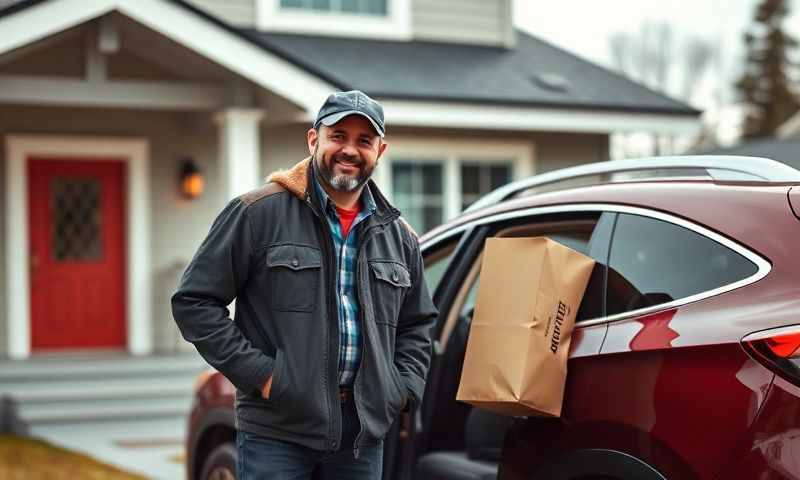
355, 102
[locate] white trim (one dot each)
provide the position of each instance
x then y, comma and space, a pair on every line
498, 117
135, 153
451, 152
177, 23
21, 89
239, 150
396, 25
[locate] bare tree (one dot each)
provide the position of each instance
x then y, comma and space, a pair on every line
663, 62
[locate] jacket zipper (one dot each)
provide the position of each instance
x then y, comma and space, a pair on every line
362, 242
362, 317
362, 304
336, 437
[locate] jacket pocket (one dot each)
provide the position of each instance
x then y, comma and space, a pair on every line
293, 277
399, 386
278, 382
391, 281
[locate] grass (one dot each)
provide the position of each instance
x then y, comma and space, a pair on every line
32, 459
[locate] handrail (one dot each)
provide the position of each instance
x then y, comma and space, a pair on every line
718, 167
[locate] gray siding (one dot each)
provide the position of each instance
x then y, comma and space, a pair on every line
562, 150
241, 13
486, 22
283, 146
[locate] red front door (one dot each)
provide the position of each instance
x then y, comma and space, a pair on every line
77, 239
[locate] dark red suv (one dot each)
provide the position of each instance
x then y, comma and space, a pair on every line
684, 362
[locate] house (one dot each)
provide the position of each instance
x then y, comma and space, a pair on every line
105, 103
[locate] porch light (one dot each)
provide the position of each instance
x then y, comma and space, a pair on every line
192, 182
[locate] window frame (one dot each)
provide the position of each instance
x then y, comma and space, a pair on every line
395, 25
762, 264
451, 154
677, 227
419, 163
483, 167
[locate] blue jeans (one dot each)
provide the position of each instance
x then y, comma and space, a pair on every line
262, 458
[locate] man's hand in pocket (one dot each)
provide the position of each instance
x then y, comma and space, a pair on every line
266, 388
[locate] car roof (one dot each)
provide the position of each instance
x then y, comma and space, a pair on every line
713, 167
740, 210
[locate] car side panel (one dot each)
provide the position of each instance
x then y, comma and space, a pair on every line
771, 449
682, 409
695, 400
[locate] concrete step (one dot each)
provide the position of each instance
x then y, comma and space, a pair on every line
96, 410
71, 390
64, 390
100, 366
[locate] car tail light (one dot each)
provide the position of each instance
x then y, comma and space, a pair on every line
777, 349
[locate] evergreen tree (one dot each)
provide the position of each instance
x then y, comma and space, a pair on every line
766, 85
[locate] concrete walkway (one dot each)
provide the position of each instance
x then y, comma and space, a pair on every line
152, 448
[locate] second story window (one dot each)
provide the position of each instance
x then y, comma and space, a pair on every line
367, 7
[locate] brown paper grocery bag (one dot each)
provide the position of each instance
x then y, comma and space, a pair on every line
529, 293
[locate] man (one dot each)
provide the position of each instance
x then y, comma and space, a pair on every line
331, 337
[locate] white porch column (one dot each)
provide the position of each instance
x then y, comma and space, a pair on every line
239, 150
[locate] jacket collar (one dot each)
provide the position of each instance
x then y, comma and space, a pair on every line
298, 180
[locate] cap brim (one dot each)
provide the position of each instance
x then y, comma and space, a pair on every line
333, 119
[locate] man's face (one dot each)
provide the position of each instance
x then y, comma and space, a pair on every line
346, 153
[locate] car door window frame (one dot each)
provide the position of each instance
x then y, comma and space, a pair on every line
530, 227
763, 265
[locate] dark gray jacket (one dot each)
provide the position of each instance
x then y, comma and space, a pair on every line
271, 250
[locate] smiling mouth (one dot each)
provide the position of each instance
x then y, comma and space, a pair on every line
347, 164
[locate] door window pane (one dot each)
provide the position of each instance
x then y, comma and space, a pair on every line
75, 203
417, 190
480, 178
654, 262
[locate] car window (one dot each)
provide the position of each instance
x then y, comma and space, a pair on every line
653, 262
436, 259
578, 240
574, 230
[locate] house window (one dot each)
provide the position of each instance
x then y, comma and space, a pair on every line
372, 19
418, 193
480, 178
431, 180
369, 7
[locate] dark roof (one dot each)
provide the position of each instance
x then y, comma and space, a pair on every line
533, 73
785, 150
468, 73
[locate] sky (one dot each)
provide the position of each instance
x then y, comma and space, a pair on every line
584, 27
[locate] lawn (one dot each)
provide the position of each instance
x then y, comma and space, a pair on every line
31, 459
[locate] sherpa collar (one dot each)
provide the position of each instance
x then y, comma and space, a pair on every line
297, 179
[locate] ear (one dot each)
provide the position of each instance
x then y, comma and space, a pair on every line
381, 148
312, 136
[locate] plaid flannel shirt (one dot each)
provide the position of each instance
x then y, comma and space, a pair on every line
346, 295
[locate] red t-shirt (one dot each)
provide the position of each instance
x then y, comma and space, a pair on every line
346, 218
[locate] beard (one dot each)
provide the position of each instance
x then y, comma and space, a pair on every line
342, 182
